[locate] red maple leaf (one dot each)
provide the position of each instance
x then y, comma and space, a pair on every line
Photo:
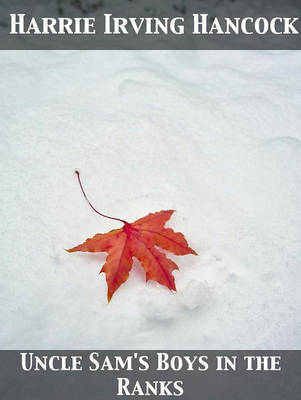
137, 239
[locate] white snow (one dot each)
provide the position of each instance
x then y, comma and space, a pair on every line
214, 135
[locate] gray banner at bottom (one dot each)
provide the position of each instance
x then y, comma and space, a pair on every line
97, 375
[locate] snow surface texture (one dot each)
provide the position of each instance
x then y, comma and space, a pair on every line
214, 135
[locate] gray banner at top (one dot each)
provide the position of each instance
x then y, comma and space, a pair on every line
150, 24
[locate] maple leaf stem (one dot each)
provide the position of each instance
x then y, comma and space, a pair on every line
93, 208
